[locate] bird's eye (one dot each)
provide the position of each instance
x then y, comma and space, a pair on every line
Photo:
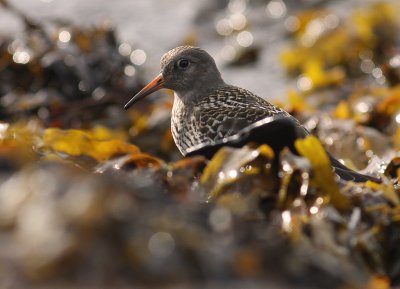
183, 63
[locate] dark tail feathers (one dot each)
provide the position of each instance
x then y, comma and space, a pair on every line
349, 175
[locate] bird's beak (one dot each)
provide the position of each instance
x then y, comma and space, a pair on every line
154, 85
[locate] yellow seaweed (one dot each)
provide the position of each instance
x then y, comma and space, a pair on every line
313, 150
77, 142
343, 110
387, 190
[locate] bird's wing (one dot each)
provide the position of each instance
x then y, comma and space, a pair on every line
230, 109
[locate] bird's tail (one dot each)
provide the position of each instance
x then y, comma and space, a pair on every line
348, 174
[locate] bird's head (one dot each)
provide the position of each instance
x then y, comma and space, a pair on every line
187, 70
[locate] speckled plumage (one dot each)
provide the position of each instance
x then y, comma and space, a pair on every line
206, 110
219, 114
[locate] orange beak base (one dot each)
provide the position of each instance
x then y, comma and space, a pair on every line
154, 85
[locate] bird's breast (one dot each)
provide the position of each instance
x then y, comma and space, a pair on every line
184, 125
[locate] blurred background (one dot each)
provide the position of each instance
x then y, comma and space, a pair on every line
93, 196
224, 28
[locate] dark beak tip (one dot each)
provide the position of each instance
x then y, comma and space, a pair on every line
128, 105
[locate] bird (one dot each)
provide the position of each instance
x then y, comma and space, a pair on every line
208, 113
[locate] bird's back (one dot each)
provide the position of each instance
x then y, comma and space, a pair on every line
219, 114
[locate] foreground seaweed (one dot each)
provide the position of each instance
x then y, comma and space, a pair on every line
89, 206
239, 215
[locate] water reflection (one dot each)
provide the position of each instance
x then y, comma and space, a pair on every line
276, 9
245, 38
64, 36
161, 244
125, 49
21, 56
138, 57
